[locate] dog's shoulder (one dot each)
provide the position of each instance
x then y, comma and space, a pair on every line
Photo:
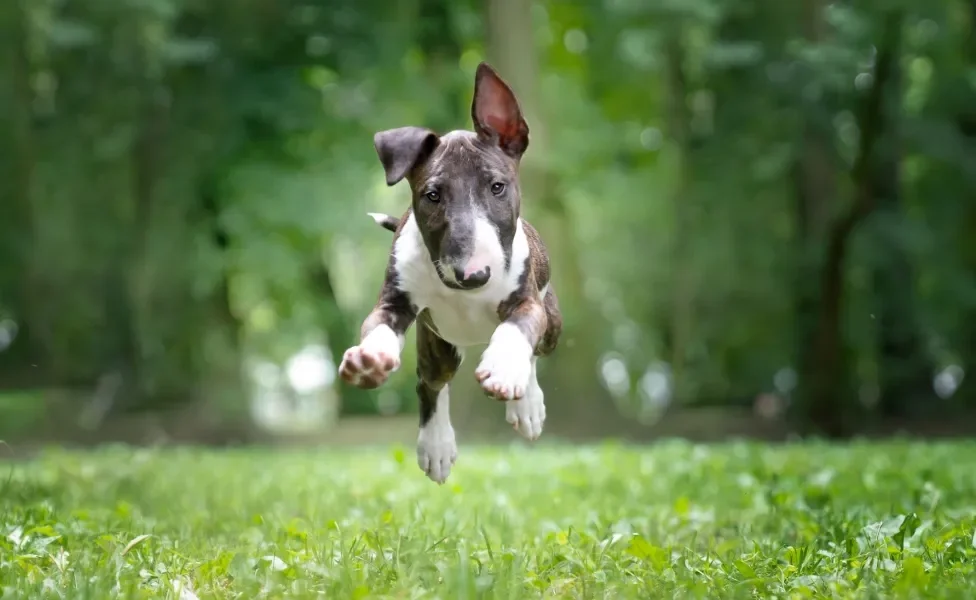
403, 221
536, 280
538, 259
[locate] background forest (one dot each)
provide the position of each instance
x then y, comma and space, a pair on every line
761, 213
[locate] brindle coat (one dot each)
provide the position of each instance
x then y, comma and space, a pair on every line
456, 179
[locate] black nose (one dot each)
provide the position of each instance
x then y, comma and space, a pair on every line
474, 280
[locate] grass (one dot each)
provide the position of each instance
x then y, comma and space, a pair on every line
670, 521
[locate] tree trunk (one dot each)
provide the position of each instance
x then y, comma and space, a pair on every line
824, 377
966, 124
682, 299
815, 186
438, 40
123, 286
221, 383
905, 368
569, 376
25, 356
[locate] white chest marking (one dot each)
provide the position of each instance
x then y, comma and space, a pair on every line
462, 317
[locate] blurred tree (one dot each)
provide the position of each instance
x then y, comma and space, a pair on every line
905, 367
437, 37
815, 177
17, 284
965, 119
682, 309
511, 49
825, 387
732, 192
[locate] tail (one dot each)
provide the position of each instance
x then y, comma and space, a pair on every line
386, 221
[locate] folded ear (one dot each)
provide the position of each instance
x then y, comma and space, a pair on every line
496, 113
402, 148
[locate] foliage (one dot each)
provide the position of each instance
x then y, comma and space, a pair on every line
673, 521
197, 173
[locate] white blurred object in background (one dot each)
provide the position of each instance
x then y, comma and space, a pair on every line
296, 397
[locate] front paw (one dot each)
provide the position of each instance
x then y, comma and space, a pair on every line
367, 368
506, 365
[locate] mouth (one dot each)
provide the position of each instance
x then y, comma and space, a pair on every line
453, 283
466, 286
460, 285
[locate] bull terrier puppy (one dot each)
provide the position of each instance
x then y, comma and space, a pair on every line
467, 268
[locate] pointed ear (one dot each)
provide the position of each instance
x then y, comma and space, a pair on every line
496, 113
401, 149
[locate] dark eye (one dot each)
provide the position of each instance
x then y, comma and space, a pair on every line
497, 188
433, 196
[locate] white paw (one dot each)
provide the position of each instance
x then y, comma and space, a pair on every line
369, 364
528, 414
436, 450
506, 364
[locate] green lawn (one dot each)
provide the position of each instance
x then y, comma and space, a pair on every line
670, 521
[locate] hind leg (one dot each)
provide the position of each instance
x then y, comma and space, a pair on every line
437, 362
528, 414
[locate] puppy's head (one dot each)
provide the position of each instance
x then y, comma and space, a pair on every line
465, 185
